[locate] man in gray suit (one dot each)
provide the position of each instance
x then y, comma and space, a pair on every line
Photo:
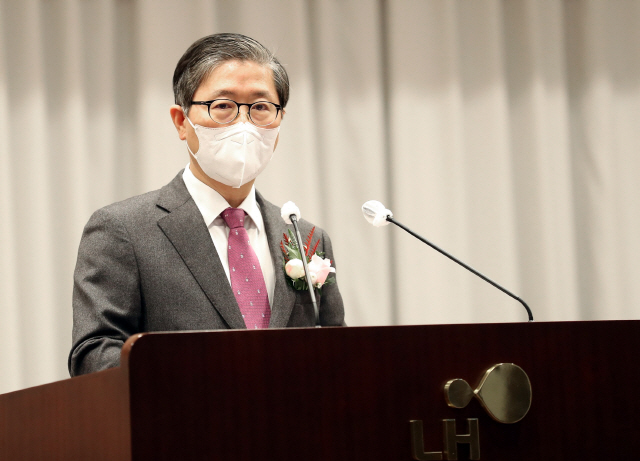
163, 261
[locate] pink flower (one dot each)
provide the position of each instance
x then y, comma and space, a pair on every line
321, 268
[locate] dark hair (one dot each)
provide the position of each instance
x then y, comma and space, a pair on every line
209, 52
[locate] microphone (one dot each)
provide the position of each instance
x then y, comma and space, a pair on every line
375, 213
291, 213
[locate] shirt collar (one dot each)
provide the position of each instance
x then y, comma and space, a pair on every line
211, 203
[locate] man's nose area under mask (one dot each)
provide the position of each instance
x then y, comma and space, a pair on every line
242, 138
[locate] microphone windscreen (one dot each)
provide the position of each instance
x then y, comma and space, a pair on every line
375, 213
287, 210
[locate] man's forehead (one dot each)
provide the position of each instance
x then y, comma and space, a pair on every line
239, 79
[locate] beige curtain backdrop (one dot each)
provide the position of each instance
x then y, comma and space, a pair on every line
506, 132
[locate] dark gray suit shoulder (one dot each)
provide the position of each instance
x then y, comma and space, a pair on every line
150, 205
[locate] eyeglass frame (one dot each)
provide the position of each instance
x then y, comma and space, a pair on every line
279, 108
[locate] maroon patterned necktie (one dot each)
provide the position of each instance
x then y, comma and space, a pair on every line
247, 281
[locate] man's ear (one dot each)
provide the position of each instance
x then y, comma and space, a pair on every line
179, 120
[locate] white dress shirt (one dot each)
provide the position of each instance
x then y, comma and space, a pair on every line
211, 204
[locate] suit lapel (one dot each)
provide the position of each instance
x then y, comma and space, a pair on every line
186, 230
284, 296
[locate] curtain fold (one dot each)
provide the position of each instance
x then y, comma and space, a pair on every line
504, 132
541, 152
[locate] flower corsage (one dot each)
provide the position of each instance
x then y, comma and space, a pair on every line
319, 268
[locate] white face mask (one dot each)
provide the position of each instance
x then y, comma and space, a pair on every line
234, 154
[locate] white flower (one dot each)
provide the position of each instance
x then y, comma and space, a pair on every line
287, 210
294, 268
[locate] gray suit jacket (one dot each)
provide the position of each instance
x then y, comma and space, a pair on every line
149, 264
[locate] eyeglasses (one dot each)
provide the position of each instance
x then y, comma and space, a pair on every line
223, 111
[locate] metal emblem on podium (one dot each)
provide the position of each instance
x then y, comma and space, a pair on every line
504, 392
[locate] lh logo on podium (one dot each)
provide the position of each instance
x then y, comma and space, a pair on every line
504, 391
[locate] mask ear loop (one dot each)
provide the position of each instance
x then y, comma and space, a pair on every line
194, 129
188, 119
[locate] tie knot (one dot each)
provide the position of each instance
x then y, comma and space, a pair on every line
234, 217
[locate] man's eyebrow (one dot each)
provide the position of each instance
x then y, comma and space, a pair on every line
230, 94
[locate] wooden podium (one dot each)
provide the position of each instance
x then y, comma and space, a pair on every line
336, 394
